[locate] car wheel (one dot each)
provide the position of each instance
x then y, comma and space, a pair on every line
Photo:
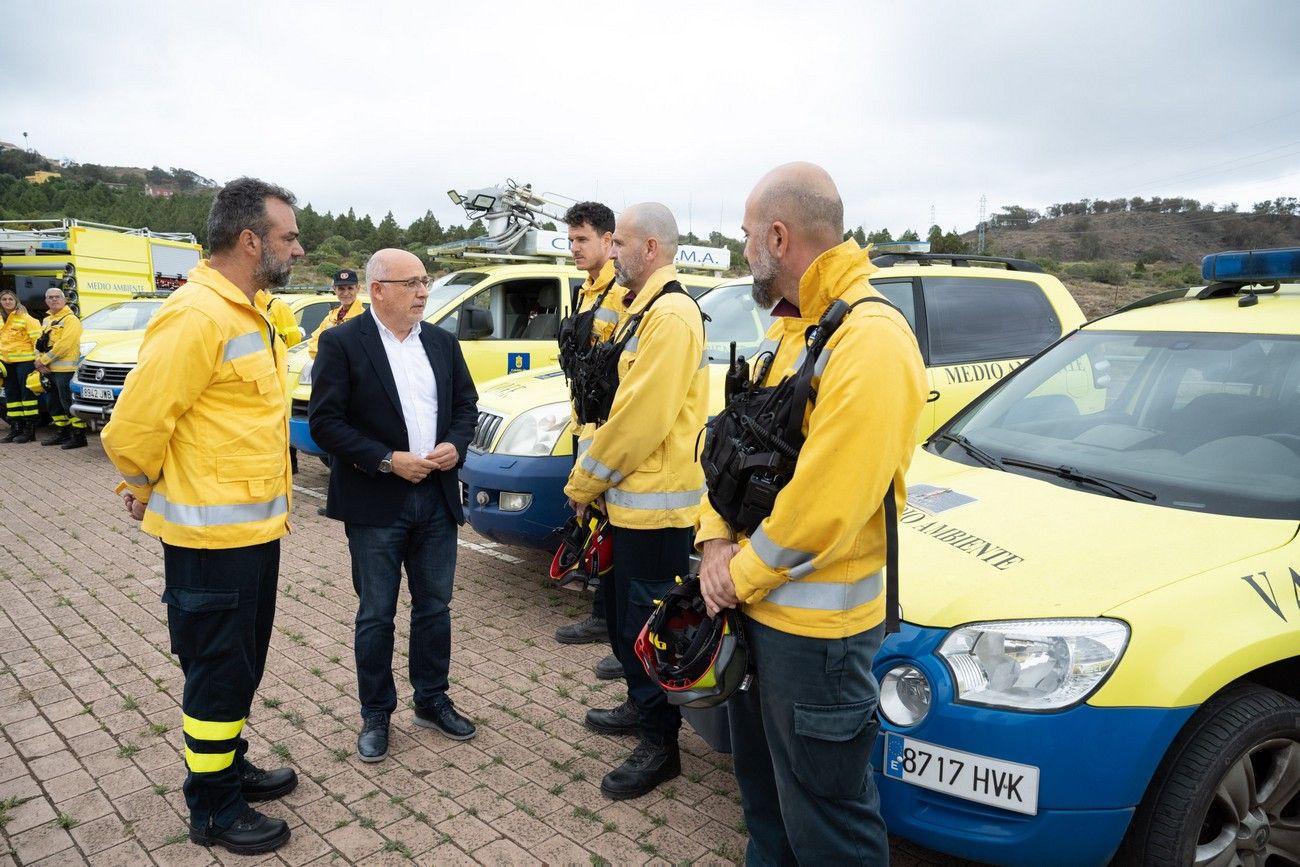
1228, 789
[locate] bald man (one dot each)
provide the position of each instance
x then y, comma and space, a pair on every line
641, 463
395, 405
808, 579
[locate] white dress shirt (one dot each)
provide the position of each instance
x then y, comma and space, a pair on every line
416, 387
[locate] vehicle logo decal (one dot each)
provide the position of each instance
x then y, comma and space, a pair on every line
935, 499
99, 375
1269, 597
968, 543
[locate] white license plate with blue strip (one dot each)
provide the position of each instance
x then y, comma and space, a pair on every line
968, 776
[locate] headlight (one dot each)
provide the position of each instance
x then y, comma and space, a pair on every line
904, 695
1032, 664
535, 432
304, 378
86, 347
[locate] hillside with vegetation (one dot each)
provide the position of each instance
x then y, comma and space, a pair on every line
1108, 252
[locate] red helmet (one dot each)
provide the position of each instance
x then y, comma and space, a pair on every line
586, 550
697, 660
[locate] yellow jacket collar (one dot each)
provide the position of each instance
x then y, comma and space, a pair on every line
652, 287
62, 314
205, 275
605, 277
829, 275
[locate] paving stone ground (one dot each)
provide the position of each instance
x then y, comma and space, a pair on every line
90, 763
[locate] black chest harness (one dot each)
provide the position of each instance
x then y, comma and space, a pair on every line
752, 446
591, 368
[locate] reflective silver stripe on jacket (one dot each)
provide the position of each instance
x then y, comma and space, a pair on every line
823, 596
600, 471
583, 446
776, 556
244, 344
821, 361
216, 516
798, 362
604, 314
630, 346
767, 346
139, 481
655, 500
704, 359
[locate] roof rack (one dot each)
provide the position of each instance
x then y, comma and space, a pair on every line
960, 260
18, 235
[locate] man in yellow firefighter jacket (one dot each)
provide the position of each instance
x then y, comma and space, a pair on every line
346, 290
200, 437
808, 581
599, 308
60, 350
642, 463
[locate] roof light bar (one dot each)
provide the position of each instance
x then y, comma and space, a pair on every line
1252, 266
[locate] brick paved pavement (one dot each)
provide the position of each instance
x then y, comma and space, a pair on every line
90, 762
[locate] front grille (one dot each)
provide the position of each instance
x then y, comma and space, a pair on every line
298, 409
488, 425
113, 374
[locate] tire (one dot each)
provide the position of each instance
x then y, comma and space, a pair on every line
1228, 789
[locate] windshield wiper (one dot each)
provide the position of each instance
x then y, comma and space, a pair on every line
1119, 489
973, 450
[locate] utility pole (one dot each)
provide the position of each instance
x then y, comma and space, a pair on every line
933, 222
984, 206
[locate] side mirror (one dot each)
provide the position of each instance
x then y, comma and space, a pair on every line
475, 323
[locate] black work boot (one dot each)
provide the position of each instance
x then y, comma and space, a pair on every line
587, 631
76, 441
621, 720
372, 743
26, 432
250, 834
60, 436
12, 433
650, 764
609, 668
256, 784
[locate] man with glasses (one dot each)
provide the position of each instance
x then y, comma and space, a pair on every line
394, 404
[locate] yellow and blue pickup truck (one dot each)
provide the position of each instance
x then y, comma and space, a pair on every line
1100, 588
976, 319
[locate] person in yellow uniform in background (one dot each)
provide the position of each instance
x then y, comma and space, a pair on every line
18, 337
599, 308
60, 345
200, 437
350, 306
282, 319
809, 581
642, 462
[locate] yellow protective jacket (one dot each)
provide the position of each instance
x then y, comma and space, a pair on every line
814, 567
603, 324
18, 337
64, 329
642, 459
200, 431
283, 319
330, 321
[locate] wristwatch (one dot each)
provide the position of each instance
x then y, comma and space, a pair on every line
386, 465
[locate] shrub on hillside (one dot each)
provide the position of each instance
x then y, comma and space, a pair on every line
1104, 271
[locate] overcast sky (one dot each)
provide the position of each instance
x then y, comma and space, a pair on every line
384, 105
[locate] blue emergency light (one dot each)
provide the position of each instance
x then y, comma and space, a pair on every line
59, 246
1252, 266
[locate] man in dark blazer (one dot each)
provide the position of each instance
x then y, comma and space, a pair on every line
393, 403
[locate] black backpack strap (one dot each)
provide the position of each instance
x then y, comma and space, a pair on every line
892, 613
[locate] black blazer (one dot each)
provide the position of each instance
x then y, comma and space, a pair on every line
356, 416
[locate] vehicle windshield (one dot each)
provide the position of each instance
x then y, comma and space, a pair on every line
123, 316
447, 289
732, 315
1208, 422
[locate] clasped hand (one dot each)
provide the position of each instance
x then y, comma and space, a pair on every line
415, 469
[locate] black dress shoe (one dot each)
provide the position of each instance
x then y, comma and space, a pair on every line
444, 718
252, 833
649, 765
256, 784
621, 720
372, 743
609, 668
587, 631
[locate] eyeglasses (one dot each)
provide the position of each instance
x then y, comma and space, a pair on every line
412, 282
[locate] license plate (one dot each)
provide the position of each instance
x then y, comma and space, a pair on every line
91, 392
968, 776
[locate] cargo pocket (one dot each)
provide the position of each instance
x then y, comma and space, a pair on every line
831, 753
260, 472
200, 622
642, 598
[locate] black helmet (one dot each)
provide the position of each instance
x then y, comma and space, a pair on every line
698, 661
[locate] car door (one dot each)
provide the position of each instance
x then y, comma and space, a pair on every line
979, 329
904, 293
525, 315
